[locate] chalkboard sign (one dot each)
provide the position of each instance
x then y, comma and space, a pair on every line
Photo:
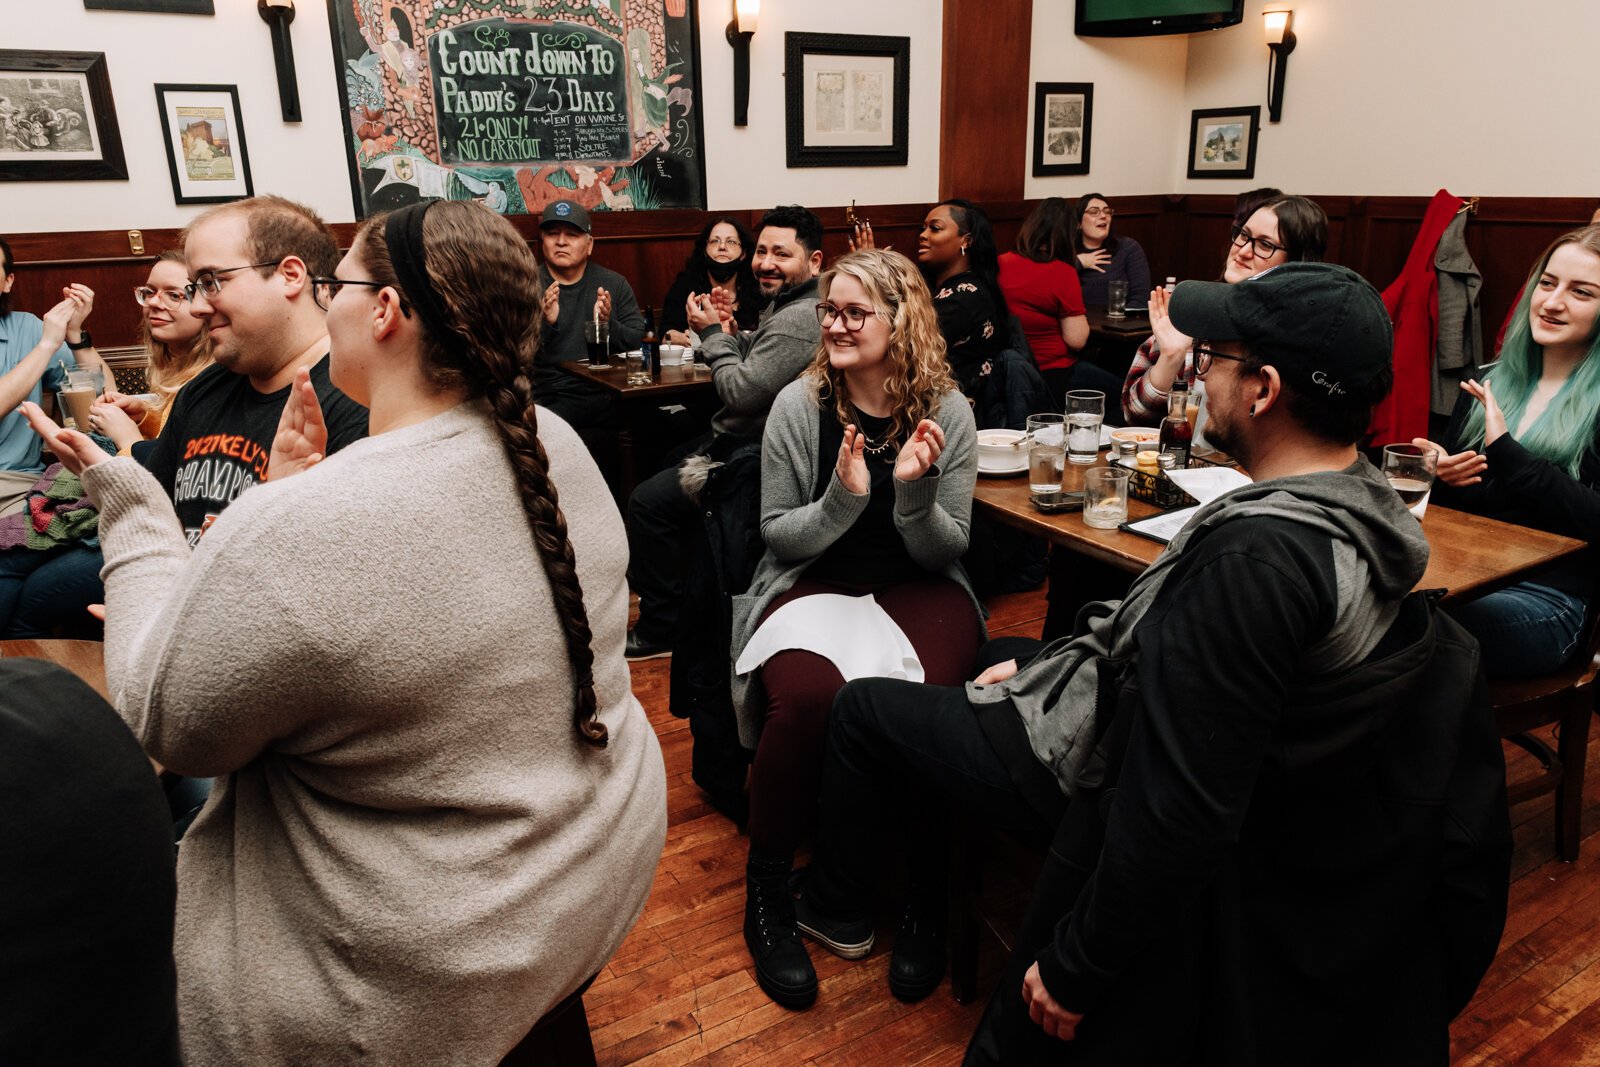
517, 103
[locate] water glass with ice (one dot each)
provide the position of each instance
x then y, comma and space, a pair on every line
1047, 453
1410, 470
1105, 497
1085, 411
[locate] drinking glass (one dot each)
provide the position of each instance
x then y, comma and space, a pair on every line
1047, 453
1117, 300
597, 337
79, 388
1105, 497
637, 369
1410, 470
1085, 411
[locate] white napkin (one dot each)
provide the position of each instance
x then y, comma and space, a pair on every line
852, 632
1205, 484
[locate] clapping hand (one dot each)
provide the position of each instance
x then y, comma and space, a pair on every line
83, 298
701, 312
602, 304
1095, 261
302, 437
1494, 420
861, 236
550, 303
75, 450
921, 452
1173, 342
1463, 468
59, 319
722, 302
852, 465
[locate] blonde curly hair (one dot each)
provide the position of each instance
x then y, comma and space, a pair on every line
919, 371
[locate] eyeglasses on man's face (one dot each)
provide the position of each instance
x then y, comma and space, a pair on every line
209, 282
1262, 247
854, 317
323, 290
1099, 212
170, 299
1205, 356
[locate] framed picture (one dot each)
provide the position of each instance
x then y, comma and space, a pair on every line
206, 152
1222, 142
519, 103
847, 99
165, 7
57, 121
1063, 115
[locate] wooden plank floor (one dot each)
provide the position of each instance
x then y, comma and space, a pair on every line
681, 989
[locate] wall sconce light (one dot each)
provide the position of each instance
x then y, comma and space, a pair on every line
1280, 40
278, 14
740, 30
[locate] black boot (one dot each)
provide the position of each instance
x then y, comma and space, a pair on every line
782, 966
917, 966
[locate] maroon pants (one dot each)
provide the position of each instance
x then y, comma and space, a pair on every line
937, 616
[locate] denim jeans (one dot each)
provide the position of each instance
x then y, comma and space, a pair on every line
46, 593
1526, 630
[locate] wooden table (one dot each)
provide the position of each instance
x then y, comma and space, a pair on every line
1469, 555
677, 383
1135, 325
86, 659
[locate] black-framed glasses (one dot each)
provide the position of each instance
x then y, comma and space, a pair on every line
1204, 357
323, 290
209, 282
145, 297
1260, 245
854, 317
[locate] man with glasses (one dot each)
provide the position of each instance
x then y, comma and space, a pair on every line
748, 371
1265, 746
251, 265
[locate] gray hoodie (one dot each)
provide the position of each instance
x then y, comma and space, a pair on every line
1379, 554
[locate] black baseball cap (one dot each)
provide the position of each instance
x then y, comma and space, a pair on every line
1323, 326
568, 211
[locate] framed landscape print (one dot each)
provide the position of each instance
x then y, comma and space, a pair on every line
1062, 122
519, 103
57, 120
846, 99
1222, 142
204, 138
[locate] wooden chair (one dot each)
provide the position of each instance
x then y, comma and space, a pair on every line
1566, 699
559, 1039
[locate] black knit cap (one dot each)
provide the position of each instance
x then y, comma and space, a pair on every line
1323, 326
402, 234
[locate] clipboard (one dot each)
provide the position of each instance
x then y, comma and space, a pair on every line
1161, 527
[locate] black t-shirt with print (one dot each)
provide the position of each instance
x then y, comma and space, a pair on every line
216, 442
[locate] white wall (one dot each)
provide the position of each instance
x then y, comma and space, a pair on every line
747, 164
306, 161
299, 160
1138, 90
1403, 97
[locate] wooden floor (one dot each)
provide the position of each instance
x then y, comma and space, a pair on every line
681, 990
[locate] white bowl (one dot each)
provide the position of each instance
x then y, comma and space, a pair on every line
1001, 446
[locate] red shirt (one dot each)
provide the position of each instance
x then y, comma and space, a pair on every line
1040, 296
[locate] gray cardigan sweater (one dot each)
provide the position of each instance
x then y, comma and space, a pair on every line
933, 515
409, 854
748, 370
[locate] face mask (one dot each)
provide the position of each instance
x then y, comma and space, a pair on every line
723, 271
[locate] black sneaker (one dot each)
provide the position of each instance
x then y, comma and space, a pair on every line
917, 966
849, 940
783, 969
639, 648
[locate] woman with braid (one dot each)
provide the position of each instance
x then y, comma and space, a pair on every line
439, 807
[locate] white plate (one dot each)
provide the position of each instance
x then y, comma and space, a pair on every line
1002, 470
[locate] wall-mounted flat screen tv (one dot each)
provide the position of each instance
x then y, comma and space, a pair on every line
1149, 18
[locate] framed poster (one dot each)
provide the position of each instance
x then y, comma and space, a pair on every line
57, 121
846, 99
1222, 142
206, 153
1063, 114
167, 7
519, 103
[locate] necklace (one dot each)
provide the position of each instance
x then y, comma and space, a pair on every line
873, 448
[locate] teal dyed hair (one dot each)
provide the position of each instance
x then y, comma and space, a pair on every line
1566, 429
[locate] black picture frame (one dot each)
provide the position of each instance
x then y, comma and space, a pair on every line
240, 185
807, 150
159, 7
1215, 119
86, 72
1061, 136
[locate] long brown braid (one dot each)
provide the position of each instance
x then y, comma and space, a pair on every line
486, 280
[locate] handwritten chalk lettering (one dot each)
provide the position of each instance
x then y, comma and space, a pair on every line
504, 62
509, 150
581, 99
455, 100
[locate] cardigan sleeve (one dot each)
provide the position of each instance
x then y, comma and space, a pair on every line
934, 513
794, 526
204, 654
1551, 498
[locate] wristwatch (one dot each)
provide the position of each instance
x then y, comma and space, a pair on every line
84, 341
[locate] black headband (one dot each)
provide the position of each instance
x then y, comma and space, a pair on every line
402, 233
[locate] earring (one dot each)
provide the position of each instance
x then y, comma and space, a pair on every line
1252, 411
